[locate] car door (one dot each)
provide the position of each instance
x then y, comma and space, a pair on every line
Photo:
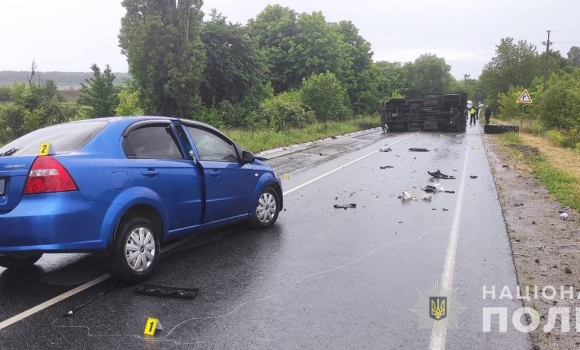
158, 163
229, 182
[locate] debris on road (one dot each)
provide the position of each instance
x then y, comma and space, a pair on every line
449, 191
564, 216
387, 167
568, 270
427, 196
506, 166
385, 149
439, 175
344, 206
407, 195
445, 209
418, 149
164, 291
473, 177
78, 308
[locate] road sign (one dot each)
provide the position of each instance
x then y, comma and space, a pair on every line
525, 97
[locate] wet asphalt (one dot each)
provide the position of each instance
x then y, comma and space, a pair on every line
321, 278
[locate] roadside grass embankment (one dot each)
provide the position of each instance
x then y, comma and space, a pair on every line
264, 139
556, 168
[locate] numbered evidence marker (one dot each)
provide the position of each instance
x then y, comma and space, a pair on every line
46, 149
286, 176
152, 326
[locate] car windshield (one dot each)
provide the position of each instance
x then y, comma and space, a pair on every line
63, 138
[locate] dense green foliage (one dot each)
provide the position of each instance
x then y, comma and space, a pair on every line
281, 71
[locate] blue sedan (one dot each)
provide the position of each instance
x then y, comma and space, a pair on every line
120, 186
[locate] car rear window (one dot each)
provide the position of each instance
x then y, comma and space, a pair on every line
63, 138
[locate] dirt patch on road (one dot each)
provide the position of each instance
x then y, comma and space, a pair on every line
546, 249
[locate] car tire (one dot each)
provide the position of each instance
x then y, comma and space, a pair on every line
267, 209
135, 250
19, 261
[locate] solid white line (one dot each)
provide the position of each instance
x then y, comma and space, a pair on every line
52, 301
438, 340
343, 166
104, 277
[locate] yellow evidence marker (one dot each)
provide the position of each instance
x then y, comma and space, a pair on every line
46, 149
286, 176
151, 326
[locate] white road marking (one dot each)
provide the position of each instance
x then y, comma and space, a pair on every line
438, 340
70, 293
343, 166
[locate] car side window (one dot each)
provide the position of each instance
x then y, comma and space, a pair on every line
156, 141
211, 146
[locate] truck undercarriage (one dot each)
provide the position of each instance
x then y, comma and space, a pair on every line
433, 111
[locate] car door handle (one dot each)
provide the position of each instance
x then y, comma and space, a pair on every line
215, 173
150, 173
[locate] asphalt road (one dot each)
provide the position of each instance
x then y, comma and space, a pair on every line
321, 278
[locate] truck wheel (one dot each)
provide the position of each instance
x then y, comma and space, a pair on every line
267, 209
19, 261
135, 251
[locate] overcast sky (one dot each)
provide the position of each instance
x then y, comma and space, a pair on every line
71, 35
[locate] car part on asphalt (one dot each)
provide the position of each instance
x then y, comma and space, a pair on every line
418, 149
439, 175
387, 167
500, 128
165, 291
473, 177
427, 196
344, 206
385, 149
407, 195
449, 191
78, 308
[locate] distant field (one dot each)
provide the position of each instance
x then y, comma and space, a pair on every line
64, 80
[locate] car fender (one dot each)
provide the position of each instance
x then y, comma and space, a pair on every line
266, 179
124, 202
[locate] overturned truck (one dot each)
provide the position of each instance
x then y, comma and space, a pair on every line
433, 111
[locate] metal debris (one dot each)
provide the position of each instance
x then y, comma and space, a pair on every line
439, 175
164, 291
344, 206
473, 177
418, 149
385, 149
387, 167
407, 195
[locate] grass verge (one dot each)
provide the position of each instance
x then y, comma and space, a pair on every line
555, 168
261, 140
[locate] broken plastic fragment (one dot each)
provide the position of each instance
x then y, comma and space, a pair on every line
564, 216
344, 206
418, 149
473, 177
439, 175
427, 196
385, 149
407, 195
387, 167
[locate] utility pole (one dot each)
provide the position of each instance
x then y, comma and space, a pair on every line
547, 43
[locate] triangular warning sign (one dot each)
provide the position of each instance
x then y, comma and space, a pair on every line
525, 97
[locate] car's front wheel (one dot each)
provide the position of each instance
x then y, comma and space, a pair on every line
136, 250
19, 261
267, 209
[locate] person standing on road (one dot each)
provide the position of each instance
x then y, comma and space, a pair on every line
473, 112
487, 114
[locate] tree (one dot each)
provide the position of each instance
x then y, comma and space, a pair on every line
514, 64
327, 98
429, 73
162, 42
274, 29
235, 67
99, 93
392, 79
129, 100
574, 56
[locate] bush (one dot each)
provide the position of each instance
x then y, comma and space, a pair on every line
325, 95
555, 136
560, 105
285, 111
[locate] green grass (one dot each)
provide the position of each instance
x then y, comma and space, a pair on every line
261, 140
562, 184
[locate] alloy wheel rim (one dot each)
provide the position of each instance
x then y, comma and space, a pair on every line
140, 249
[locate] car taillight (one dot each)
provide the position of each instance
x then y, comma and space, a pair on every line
48, 175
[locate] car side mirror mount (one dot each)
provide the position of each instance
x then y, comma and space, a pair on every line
192, 156
248, 157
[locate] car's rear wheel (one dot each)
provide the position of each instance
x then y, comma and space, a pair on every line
267, 209
19, 261
135, 251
